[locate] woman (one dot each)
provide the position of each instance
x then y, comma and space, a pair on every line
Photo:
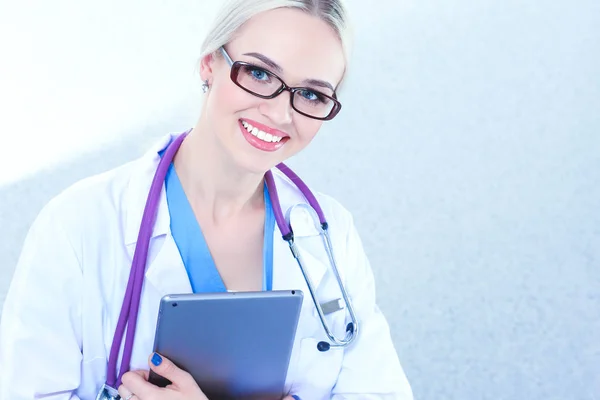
64, 302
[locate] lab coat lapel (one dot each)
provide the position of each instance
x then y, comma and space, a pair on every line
286, 271
166, 272
137, 195
164, 268
287, 274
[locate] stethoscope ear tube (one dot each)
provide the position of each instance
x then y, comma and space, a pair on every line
129, 309
288, 235
131, 301
325, 346
352, 327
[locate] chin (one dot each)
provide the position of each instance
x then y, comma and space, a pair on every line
253, 156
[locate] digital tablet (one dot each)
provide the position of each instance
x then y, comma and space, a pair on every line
236, 345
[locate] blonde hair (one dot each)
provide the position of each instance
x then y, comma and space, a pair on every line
234, 13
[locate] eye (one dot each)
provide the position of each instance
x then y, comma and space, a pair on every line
259, 74
313, 96
309, 95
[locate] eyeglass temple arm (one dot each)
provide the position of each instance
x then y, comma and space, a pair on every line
227, 58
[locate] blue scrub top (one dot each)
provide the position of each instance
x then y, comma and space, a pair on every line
194, 251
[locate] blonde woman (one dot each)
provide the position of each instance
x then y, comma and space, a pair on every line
271, 71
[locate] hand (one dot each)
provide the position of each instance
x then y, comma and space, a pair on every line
136, 386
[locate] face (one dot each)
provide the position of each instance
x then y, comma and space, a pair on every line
300, 49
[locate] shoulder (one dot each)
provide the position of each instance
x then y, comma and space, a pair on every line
99, 199
85, 199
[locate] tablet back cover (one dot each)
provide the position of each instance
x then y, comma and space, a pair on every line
236, 345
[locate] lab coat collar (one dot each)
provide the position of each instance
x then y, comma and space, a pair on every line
166, 271
137, 194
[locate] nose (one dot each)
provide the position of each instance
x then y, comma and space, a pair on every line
279, 109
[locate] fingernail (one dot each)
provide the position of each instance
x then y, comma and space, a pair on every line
296, 397
156, 359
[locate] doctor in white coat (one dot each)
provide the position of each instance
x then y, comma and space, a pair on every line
62, 307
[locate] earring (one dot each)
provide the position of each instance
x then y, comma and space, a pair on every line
205, 86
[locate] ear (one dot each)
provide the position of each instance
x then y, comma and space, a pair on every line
206, 67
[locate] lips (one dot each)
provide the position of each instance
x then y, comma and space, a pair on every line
265, 128
261, 136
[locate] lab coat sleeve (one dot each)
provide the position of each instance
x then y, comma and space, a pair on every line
40, 330
370, 368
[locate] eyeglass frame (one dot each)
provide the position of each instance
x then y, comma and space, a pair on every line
236, 65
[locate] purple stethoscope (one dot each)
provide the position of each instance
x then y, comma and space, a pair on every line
131, 302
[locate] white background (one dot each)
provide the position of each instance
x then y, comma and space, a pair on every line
468, 150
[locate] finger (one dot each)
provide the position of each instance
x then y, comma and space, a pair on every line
292, 397
136, 383
167, 369
124, 392
144, 373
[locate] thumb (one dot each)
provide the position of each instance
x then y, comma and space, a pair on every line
167, 369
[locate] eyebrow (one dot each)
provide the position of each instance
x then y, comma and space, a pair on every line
277, 67
317, 82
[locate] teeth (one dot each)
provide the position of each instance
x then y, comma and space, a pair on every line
267, 137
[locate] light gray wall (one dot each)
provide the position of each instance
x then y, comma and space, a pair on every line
468, 150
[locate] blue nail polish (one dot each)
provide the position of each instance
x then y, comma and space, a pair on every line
296, 397
156, 359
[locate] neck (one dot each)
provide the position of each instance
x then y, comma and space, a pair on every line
215, 186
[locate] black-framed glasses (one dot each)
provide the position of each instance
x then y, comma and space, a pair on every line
265, 84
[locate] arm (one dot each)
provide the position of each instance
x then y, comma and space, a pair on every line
370, 369
40, 330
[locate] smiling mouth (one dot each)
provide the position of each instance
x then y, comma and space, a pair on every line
265, 137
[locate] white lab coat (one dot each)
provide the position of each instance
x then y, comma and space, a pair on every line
64, 301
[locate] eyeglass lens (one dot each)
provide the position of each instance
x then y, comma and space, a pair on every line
263, 83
